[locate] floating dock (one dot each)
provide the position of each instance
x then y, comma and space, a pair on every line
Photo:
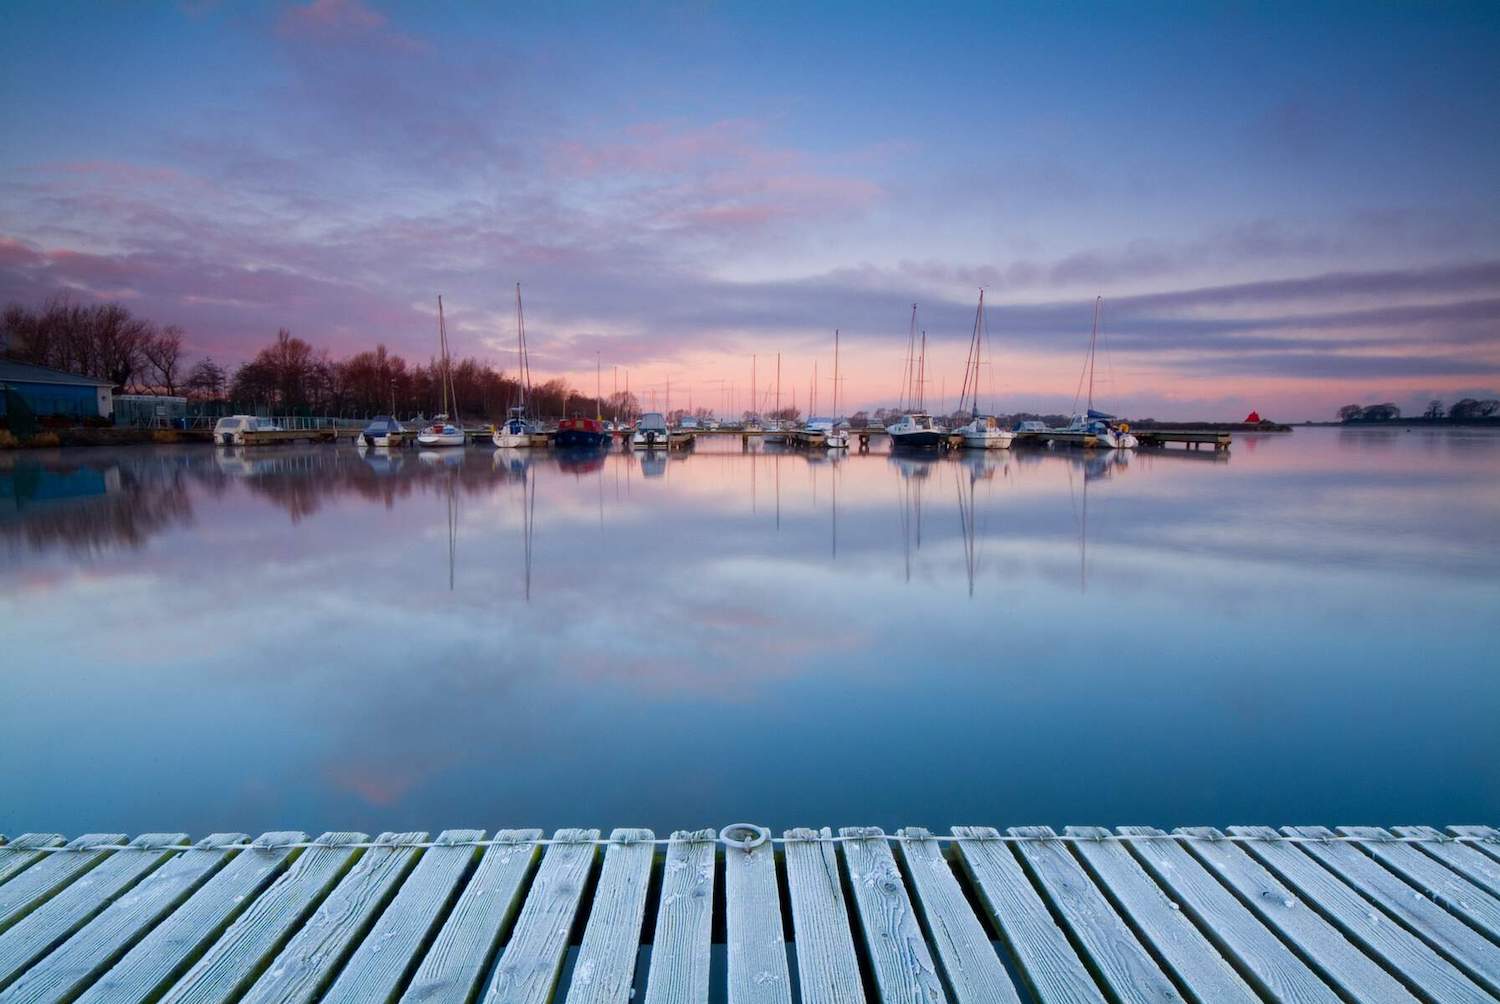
972, 917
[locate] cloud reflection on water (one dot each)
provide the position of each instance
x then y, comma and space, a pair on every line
258, 638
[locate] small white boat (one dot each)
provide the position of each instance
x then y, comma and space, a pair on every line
813, 433
985, 433
382, 431
825, 433
441, 433
651, 432
230, 431
514, 433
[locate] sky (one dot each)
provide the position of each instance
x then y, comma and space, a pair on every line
1286, 207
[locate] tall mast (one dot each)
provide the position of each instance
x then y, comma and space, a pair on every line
447, 377
598, 391
835, 375
1093, 340
812, 393
778, 387
754, 404
521, 361
922, 373
908, 372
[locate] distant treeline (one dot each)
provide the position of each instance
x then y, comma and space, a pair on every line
1466, 410
287, 377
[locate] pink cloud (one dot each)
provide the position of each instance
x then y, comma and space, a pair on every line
333, 20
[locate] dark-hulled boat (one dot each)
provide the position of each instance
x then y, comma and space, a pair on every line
578, 433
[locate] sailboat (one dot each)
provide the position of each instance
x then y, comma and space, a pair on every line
915, 430
444, 431
775, 429
826, 432
813, 433
982, 432
1103, 428
516, 431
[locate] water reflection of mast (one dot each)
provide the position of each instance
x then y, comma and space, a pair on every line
833, 475
966, 519
1083, 528
911, 516
528, 523
778, 491
452, 530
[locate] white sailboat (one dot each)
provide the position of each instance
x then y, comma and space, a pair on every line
1103, 428
444, 431
516, 431
983, 432
835, 435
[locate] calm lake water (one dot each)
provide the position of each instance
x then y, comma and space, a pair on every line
1304, 630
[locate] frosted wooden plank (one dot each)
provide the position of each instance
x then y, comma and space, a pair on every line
1339, 962
1117, 956
684, 921
758, 970
53, 921
46, 876
459, 958
1487, 839
158, 958
1463, 945
312, 958
378, 966
605, 968
22, 853
236, 958
1438, 881
1178, 942
827, 968
1464, 858
1046, 958
975, 973
77, 962
1420, 967
903, 965
531, 962
1261, 957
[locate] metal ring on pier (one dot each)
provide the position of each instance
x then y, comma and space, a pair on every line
750, 836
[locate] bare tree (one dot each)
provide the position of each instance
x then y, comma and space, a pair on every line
207, 380
163, 354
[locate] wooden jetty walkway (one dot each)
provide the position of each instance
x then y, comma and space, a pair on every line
973, 917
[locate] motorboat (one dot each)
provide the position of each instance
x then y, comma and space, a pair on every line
917, 431
651, 432
230, 430
579, 433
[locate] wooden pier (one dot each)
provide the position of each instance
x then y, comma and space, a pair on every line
972, 917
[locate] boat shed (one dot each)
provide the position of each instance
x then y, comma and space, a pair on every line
47, 391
